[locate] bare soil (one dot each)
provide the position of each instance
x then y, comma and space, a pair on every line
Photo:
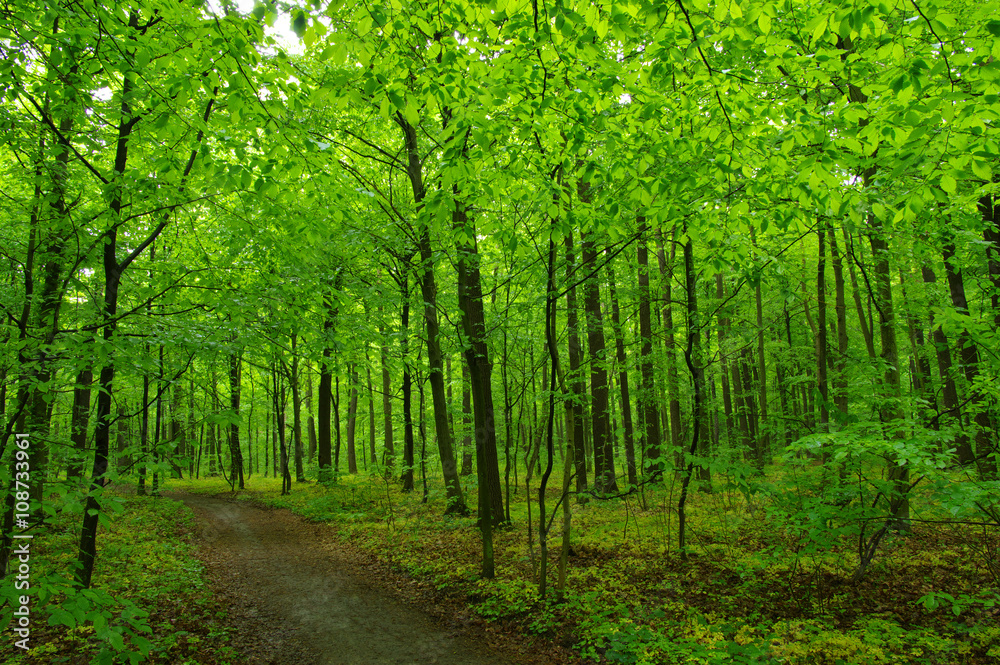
298, 595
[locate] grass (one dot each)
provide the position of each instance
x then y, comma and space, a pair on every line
767, 577
148, 600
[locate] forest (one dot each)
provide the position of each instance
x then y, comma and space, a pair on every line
627, 331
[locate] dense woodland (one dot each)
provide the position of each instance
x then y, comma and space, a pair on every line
724, 274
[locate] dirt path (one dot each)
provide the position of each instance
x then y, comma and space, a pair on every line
293, 599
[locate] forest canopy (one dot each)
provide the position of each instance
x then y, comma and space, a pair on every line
602, 248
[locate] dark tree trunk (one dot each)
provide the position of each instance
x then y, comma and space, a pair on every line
604, 469
673, 387
470, 300
622, 377
388, 448
466, 422
435, 359
969, 353
235, 392
840, 399
352, 419
80, 420
721, 334
949, 390
576, 382
693, 358
821, 339
407, 473
647, 393
294, 384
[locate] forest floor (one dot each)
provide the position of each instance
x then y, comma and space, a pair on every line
298, 595
768, 578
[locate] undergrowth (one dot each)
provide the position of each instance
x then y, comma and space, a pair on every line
767, 580
147, 603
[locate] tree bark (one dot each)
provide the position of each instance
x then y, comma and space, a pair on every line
840, 398
235, 452
604, 468
647, 392
622, 377
822, 344
673, 389
352, 418
969, 353
80, 421
577, 385
470, 299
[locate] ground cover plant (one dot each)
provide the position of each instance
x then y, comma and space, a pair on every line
150, 603
761, 584
673, 325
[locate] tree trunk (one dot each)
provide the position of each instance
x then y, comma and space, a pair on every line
435, 359
969, 353
80, 421
470, 300
647, 393
722, 333
866, 331
890, 409
577, 386
407, 473
310, 420
235, 391
371, 410
673, 388
693, 358
604, 461
821, 339
466, 422
763, 427
388, 448
622, 376
840, 399
294, 384
352, 419
949, 390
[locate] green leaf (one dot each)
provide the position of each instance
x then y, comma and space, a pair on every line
948, 183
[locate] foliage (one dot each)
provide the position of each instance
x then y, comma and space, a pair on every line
151, 604
771, 585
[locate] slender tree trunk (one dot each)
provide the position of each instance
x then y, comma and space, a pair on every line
604, 469
647, 393
764, 427
673, 387
866, 331
352, 419
840, 398
324, 446
371, 410
693, 358
235, 391
821, 339
466, 422
949, 389
435, 359
984, 450
80, 421
294, 382
622, 377
407, 474
576, 381
890, 409
722, 332
310, 420
388, 448
470, 299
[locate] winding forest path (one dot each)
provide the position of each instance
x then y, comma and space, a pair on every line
296, 598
